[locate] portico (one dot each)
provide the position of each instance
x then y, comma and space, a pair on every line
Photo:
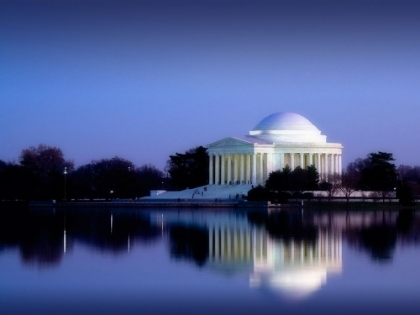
277, 141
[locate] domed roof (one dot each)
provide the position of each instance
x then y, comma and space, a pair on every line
285, 121
287, 127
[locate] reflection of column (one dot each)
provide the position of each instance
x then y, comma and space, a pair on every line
216, 243
318, 248
210, 169
302, 253
210, 242
311, 253
248, 245
292, 252
241, 244
229, 245
281, 252
327, 247
64, 242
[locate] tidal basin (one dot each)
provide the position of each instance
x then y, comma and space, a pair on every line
224, 261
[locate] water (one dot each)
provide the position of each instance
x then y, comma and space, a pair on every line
113, 261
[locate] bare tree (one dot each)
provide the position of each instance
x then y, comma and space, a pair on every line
349, 181
332, 186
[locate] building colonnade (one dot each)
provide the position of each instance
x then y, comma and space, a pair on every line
254, 168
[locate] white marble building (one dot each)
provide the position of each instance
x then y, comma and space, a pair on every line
278, 140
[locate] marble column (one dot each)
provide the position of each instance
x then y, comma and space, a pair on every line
217, 172
234, 164
340, 169
260, 177
269, 164
302, 162
311, 159
211, 158
292, 161
248, 169
254, 169
336, 163
229, 168
242, 177
223, 174
327, 171
281, 164
318, 162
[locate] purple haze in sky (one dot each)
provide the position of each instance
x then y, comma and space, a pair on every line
145, 79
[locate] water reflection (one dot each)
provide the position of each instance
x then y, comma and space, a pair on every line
189, 242
375, 233
280, 253
291, 252
44, 236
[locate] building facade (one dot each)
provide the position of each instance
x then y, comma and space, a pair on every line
278, 140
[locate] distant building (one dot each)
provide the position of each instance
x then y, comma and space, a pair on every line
278, 140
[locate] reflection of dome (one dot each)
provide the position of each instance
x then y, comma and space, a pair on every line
299, 283
284, 121
287, 127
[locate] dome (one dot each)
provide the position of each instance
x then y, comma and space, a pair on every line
287, 127
285, 121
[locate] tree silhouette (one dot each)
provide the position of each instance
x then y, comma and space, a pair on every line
380, 173
189, 169
44, 167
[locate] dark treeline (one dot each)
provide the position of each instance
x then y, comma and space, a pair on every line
44, 173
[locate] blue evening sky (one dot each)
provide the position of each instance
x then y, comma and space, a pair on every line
145, 79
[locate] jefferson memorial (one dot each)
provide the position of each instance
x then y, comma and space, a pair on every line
276, 141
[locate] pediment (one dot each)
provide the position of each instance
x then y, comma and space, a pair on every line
229, 142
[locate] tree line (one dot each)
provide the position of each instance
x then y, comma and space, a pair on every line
377, 172
43, 173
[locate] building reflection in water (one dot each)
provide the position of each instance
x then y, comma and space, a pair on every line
293, 267
296, 268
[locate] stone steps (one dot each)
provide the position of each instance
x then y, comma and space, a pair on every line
225, 192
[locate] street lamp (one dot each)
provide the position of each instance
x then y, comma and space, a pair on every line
65, 188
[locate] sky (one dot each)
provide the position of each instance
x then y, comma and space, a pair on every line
145, 79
